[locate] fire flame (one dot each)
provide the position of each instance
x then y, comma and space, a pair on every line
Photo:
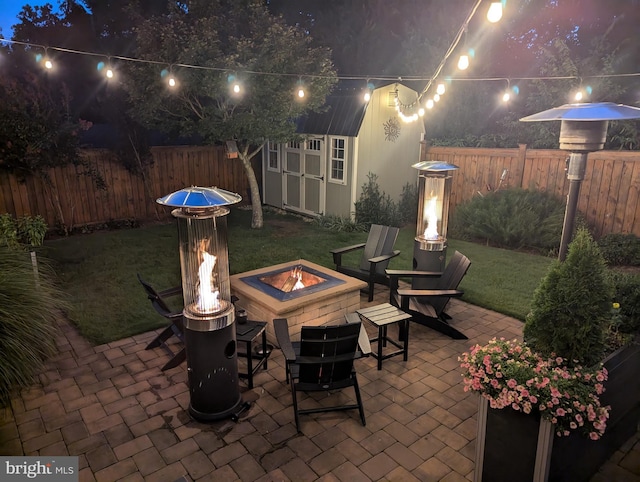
208, 295
297, 274
431, 231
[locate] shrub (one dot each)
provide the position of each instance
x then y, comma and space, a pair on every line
375, 207
27, 231
408, 205
513, 218
626, 298
28, 310
339, 223
571, 309
620, 249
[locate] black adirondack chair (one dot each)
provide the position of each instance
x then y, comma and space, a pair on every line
322, 361
427, 305
175, 326
376, 254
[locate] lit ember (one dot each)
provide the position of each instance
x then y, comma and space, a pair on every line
208, 296
431, 232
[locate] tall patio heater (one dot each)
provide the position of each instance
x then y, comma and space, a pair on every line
209, 316
430, 242
583, 130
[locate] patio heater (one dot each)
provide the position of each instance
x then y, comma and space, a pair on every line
209, 331
434, 191
583, 129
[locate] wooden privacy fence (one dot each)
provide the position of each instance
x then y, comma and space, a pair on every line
609, 195
74, 199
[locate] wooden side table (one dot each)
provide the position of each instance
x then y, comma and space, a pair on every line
246, 333
382, 316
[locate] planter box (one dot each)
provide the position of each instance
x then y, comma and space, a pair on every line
514, 446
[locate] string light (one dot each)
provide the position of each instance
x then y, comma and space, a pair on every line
494, 14
47, 63
440, 90
301, 92
234, 85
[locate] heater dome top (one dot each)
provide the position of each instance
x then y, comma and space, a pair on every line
596, 111
199, 197
434, 166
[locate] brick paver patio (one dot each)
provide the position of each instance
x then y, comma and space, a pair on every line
126, 420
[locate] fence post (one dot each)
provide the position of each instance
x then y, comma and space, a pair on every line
522, 159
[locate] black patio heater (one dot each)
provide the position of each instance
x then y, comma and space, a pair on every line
430, 243
583, 130
209, 331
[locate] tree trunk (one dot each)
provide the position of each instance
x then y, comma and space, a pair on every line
256, 202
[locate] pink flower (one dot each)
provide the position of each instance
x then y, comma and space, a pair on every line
560, 412
594, 436
512, 383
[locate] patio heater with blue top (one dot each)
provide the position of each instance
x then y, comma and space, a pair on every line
209, 314
434, 193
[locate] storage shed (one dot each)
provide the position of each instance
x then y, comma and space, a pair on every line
324, 174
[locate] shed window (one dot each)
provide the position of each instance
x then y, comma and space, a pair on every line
338, 160
274, 158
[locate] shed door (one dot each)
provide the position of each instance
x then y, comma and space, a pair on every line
304, 180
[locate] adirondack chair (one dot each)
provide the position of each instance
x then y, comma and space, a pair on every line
427, 305
175, 326
376, 254
322, 361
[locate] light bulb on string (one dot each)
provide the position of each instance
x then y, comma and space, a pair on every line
300, 93
421, 111
106, 68
429, 104
494, 14
235, 87
368, 91
463, 62
44, 60
169, 77
436, 98
440, 89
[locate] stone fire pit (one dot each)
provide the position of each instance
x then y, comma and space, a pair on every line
330, 296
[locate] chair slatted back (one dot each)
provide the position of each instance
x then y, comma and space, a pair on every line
380, 241
450, 280
327, 353
157, 301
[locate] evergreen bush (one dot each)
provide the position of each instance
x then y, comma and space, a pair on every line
28, 311
620, 249
571, 308
408, 205
512, 218
374, 206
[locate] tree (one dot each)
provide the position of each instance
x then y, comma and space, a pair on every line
38, 131
228, 40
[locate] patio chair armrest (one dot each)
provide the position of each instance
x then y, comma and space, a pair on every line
427, 293
406, 273
338, 252
384, 257
281, 327
176, 290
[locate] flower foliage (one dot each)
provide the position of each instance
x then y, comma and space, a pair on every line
511, 375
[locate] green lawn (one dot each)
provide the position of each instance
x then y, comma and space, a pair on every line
98, 270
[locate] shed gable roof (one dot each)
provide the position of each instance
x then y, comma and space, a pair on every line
342, 116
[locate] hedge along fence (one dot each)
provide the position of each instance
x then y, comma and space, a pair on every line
81, 202
609, 194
